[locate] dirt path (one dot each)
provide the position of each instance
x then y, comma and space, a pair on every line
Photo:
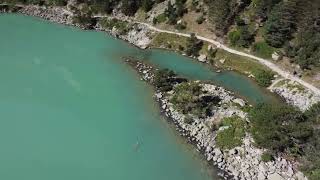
265, 62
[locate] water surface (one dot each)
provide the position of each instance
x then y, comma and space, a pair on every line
72, 109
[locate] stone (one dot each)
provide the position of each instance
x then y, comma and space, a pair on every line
222, 61
299, 176
275, 176
240, 102
290, 171
275, 56
208, 149
209, 157
261, 176
202, 58
263, 168
233, 152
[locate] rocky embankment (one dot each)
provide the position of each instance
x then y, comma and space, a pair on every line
53, 14
242, 162
138, 34
295, 94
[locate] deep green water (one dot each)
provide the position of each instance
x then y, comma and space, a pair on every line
71, 109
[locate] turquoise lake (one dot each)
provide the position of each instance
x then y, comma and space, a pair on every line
71, 109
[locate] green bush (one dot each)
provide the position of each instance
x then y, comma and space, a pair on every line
267, 156
188, 119
181, 26
234, 37
187, 100
200, 19
160, 19
232, 136
241, 37
313, 113
262, 49
121, 26
84, 20
164, 79
263, 77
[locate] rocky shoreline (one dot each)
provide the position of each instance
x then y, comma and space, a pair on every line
295, 94
242, 162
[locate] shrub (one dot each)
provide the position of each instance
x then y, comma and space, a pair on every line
262, 49
181, 26
232, 136
85, 20
263, 77
241, 37
188, 120
187, 100
267, 156
200, 19
121, 26
234, 37
160, 19
313, 113
164, 79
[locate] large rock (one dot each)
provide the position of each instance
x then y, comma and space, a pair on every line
202, 58
275, 176
276, 56
240, 102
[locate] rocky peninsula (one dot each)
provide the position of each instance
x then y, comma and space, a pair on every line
241, 162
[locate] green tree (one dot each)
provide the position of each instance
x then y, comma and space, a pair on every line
194, 45
281, 23
306, 47
279, 128
219, 14
180, 9
129, 7
263, 7
147, 5
171, 14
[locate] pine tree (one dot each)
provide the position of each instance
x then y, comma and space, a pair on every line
263, 7
180, 9
147, 5
219, 11
281, 23
307, 44
194, 45
170, 12
129, 7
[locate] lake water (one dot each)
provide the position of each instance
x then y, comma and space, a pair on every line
71, 109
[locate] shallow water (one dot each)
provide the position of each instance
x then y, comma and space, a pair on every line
72, 109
